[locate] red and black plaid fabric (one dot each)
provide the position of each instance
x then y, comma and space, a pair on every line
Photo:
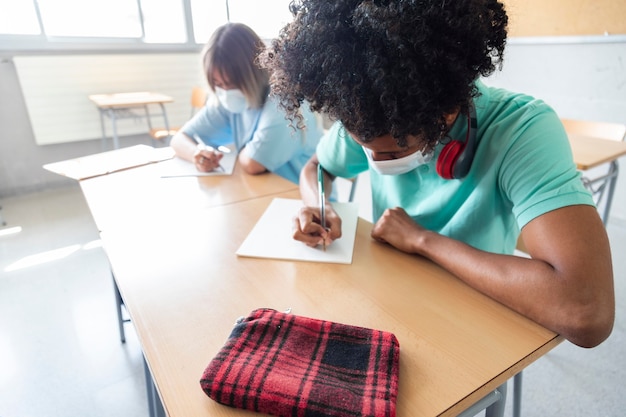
287, 365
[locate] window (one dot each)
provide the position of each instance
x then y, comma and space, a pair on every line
19, 18
266, 18
163, 21
207, 16
90, 18
130, 24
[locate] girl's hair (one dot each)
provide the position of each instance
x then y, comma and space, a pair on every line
232, 52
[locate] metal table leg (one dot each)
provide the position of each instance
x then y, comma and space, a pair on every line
103, 129
609, 198
493, 404
118, 308
155, 407
116, 141
517, 395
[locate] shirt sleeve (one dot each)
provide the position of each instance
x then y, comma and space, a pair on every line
275, 142
212, 124
340, 155
538, 172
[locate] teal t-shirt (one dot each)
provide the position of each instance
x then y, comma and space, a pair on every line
523, 168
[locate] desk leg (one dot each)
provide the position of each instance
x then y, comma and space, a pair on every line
614, 169
116, 141
103, 129
493, 404
155, 407
517, 395
149, 122
497, 408
118, 307
167, 123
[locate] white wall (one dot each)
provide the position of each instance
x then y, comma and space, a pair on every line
22, 158
56, 89
579, 80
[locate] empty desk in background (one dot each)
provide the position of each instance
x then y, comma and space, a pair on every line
174, 260
125, 105
590, 152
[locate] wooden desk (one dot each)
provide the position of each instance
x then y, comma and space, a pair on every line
121, 105
140, 196
184, 286
591, 152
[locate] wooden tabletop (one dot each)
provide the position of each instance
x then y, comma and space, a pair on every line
141, 195
123, 100
590, 152
184, 287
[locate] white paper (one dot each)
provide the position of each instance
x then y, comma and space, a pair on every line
111, 161
271, 237
178, 167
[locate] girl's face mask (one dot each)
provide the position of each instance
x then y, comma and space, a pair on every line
233, 100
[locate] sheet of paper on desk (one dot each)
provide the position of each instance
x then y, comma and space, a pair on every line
111, 161
271, 237
178, 167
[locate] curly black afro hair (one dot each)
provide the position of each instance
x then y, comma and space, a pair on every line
386, 66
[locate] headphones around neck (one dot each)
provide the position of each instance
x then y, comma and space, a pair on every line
455, 159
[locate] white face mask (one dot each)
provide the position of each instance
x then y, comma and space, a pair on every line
233, 100
398, 166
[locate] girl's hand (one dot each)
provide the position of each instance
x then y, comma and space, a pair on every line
207, 159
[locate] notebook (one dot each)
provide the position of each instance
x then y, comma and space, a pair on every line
177, 167
271, 237
111, 161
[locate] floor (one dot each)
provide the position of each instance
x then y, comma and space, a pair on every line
60, 353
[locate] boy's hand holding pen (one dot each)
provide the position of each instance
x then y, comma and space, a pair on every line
317, 223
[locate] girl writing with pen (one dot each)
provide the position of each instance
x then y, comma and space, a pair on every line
243, 114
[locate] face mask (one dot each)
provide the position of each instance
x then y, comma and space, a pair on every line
233, 100
398, 166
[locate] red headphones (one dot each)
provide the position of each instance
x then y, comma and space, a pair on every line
455, 159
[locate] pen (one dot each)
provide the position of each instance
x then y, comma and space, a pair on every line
200, 142
322, 199
202, 145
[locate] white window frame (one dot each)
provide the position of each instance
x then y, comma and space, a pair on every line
44, 44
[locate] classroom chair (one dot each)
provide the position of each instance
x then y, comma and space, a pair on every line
198, 100
601, 185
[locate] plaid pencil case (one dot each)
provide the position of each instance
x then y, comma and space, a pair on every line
288, 365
